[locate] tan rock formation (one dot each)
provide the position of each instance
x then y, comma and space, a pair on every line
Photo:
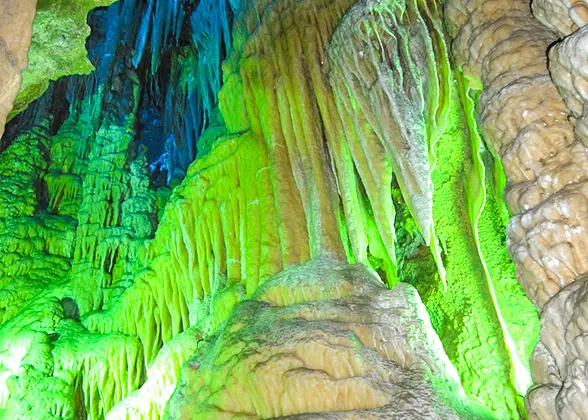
562, 382
525, 122
328, 338
561, 357
568, 65
16, 29
563, 16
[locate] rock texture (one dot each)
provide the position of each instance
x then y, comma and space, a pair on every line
16, 25
341, 344
560, 358
563, 389
528, 124
569, 70
58, 47
546, 166
564, 17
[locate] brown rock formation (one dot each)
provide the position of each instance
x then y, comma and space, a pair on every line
563, 16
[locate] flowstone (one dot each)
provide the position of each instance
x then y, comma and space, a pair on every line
323, 337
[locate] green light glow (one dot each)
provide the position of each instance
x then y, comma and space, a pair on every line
477, 198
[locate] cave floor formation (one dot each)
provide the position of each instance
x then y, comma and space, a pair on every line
302, 209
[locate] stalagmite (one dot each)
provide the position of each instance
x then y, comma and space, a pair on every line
343, 346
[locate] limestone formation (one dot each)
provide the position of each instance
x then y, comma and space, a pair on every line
58, 47
302, 209
527, 123
569, 70
16, 23
341, 345
560, 375
564, 17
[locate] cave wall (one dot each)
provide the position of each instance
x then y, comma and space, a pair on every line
57, 47
531, 116
343, 148
17, 20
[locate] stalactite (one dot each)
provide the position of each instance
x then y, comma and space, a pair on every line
212, 37
150, 401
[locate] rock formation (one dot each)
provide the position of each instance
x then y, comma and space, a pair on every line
524, 118
338, 343
16, 23
306, 209
57, 47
